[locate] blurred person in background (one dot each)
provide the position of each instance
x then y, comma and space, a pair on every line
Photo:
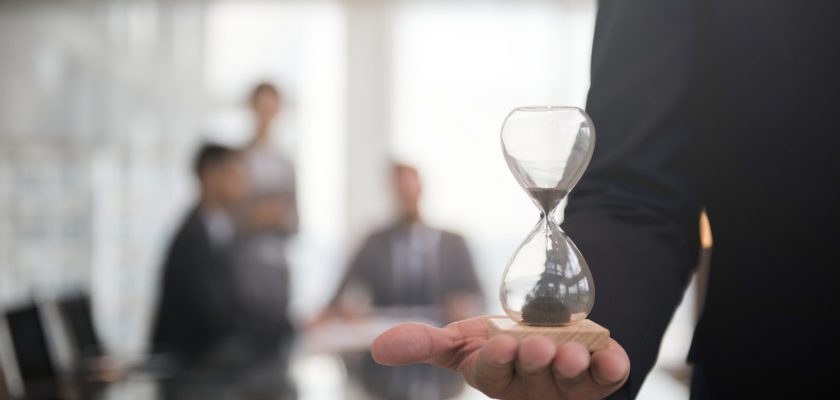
197, 308
410, 269
752, 86
224, 337
268, 217
269, 214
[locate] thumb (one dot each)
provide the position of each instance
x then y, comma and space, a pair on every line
412, 343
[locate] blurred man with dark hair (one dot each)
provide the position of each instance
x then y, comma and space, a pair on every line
410, 268
225, 338
197, 300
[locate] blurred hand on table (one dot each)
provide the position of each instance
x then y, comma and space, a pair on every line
503, 368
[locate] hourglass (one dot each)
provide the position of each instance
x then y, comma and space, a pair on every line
547, 287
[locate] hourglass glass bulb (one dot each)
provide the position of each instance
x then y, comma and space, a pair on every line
547, 282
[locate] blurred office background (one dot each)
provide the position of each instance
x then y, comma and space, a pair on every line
103, 103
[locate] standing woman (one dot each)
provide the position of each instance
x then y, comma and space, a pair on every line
267, 219
273, 205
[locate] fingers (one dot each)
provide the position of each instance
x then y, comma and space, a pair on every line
535, 355
412, 343
610, 367
579, 375
533, 368
493, 370
571, 364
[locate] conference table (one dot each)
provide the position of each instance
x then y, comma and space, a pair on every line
317, 366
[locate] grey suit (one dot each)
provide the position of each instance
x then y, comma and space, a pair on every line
380, 267
411, 265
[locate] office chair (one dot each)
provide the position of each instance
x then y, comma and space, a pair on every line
77, 317
32, 354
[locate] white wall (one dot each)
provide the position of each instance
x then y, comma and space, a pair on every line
458, 71
97, 107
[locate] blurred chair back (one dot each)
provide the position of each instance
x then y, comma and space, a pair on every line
4, 390
77, 317
32, 354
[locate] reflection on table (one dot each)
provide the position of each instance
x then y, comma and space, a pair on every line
327, 362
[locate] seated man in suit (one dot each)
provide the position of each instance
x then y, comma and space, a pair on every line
225, 346
417, 270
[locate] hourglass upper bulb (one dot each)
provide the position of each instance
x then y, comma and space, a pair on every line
547, 281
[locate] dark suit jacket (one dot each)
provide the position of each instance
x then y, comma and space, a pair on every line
732, 106
208, 297
197, 307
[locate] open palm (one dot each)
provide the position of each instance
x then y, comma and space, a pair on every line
501, 367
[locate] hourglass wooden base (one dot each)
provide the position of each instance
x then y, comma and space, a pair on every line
593, 336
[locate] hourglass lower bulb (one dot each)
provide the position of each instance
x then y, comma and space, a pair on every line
547, 282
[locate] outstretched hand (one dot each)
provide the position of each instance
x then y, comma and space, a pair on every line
503, 368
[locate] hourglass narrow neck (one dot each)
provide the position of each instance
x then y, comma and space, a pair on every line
546, 222
547, 199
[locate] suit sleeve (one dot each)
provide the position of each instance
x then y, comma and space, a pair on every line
291, 225
360, 271
634, 215
462, 278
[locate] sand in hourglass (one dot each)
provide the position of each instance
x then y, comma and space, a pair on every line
542, 308
547, 198
543, 313
548, 306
